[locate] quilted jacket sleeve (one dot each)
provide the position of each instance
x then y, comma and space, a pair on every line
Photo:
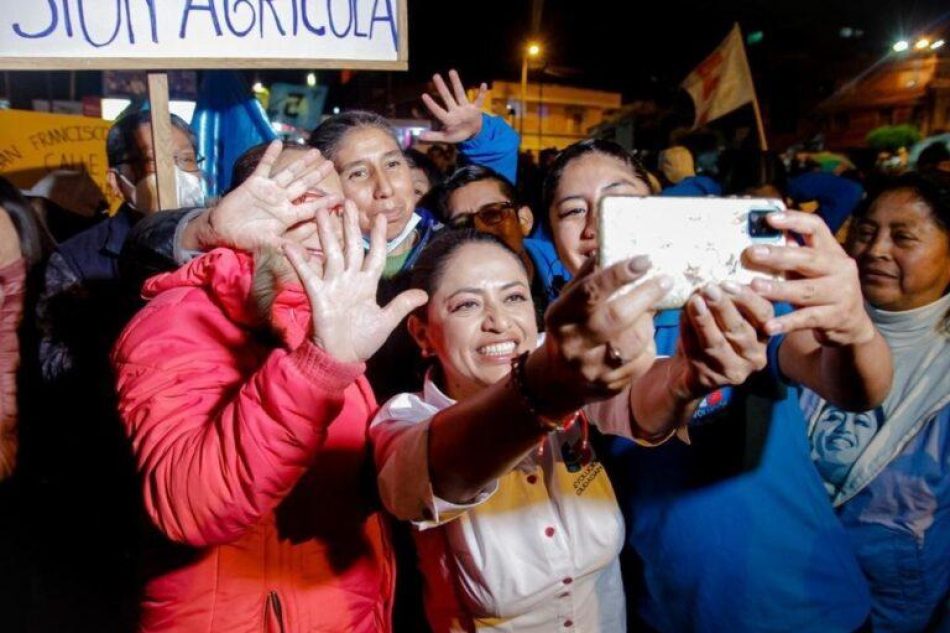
219, 438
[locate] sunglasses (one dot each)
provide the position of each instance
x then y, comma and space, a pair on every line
490, 214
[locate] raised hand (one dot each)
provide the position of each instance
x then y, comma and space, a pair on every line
597, 343
822, 282
722, 340
347, 322
461, 119
265, 206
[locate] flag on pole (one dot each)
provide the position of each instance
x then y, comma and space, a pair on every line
722, 82
228, 120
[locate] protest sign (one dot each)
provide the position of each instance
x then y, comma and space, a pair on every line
77, 34
33, 144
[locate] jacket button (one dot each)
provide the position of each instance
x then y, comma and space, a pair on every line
549, 532
568, 580
568, 623
532, 479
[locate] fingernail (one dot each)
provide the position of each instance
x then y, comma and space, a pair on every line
712, 292
759, 252
699, 306
762, 285
779, 216
773, 328
731, 287
665, 282
640, 263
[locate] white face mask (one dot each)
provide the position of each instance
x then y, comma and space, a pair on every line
391, 245
191, 188
144, 194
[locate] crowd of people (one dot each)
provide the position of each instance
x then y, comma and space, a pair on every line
371, 390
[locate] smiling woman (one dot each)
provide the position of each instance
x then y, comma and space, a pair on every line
888, 470
490, 461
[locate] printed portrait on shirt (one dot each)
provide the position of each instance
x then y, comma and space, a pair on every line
839, 437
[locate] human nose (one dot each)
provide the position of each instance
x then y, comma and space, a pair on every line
590, 225
497, 318
384, 185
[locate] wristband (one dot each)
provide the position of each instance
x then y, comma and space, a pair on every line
519, 383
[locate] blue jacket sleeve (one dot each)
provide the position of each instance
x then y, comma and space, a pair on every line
837, 197
495, 146
694, 186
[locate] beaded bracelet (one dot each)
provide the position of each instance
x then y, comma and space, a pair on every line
519, 382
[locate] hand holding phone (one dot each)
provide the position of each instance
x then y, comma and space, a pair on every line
696, 241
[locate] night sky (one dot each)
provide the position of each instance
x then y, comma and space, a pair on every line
654, 44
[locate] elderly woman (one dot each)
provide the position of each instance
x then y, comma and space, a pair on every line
516, 523
733, 523
247, 410
888, 469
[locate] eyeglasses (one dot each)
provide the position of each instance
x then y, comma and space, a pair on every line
489, 214
186, 162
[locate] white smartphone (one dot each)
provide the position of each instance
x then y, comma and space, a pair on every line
696, 241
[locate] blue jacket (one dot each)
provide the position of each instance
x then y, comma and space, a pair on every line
82, 278
734, 532
495, 146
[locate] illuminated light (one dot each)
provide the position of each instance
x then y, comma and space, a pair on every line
112, 108
922, 43
257, 87
846, 32
534, 50
937, 44
901, 46
311, 79
755, 37
336, 110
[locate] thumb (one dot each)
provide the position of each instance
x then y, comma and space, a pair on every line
400, 307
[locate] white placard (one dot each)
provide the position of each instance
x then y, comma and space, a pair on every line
56, 34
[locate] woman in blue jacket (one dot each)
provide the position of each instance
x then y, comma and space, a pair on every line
728, 528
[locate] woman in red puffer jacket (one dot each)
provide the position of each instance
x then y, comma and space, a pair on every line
248, 413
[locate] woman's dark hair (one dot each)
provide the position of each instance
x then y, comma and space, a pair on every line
247, 162
24, 220
400, 351
932, 188
575, 151
326, 137
428, 270
466, 176
421, 161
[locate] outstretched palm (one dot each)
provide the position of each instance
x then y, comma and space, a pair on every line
348, 323
461, 119
265, 206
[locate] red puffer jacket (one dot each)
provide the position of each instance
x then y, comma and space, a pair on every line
255, 455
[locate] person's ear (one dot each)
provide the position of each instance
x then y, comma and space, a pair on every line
419, 331
525, 219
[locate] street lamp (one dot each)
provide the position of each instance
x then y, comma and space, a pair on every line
901, 46
532, 50
937, 44
922, 43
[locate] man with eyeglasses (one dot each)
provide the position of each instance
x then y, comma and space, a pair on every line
88, 263
481, 198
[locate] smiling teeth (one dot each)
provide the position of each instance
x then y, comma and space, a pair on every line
497, 349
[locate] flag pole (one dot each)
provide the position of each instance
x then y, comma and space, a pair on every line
759, 126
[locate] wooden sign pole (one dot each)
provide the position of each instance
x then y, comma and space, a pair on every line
162, 143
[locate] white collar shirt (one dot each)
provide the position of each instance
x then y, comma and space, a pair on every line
536, 551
